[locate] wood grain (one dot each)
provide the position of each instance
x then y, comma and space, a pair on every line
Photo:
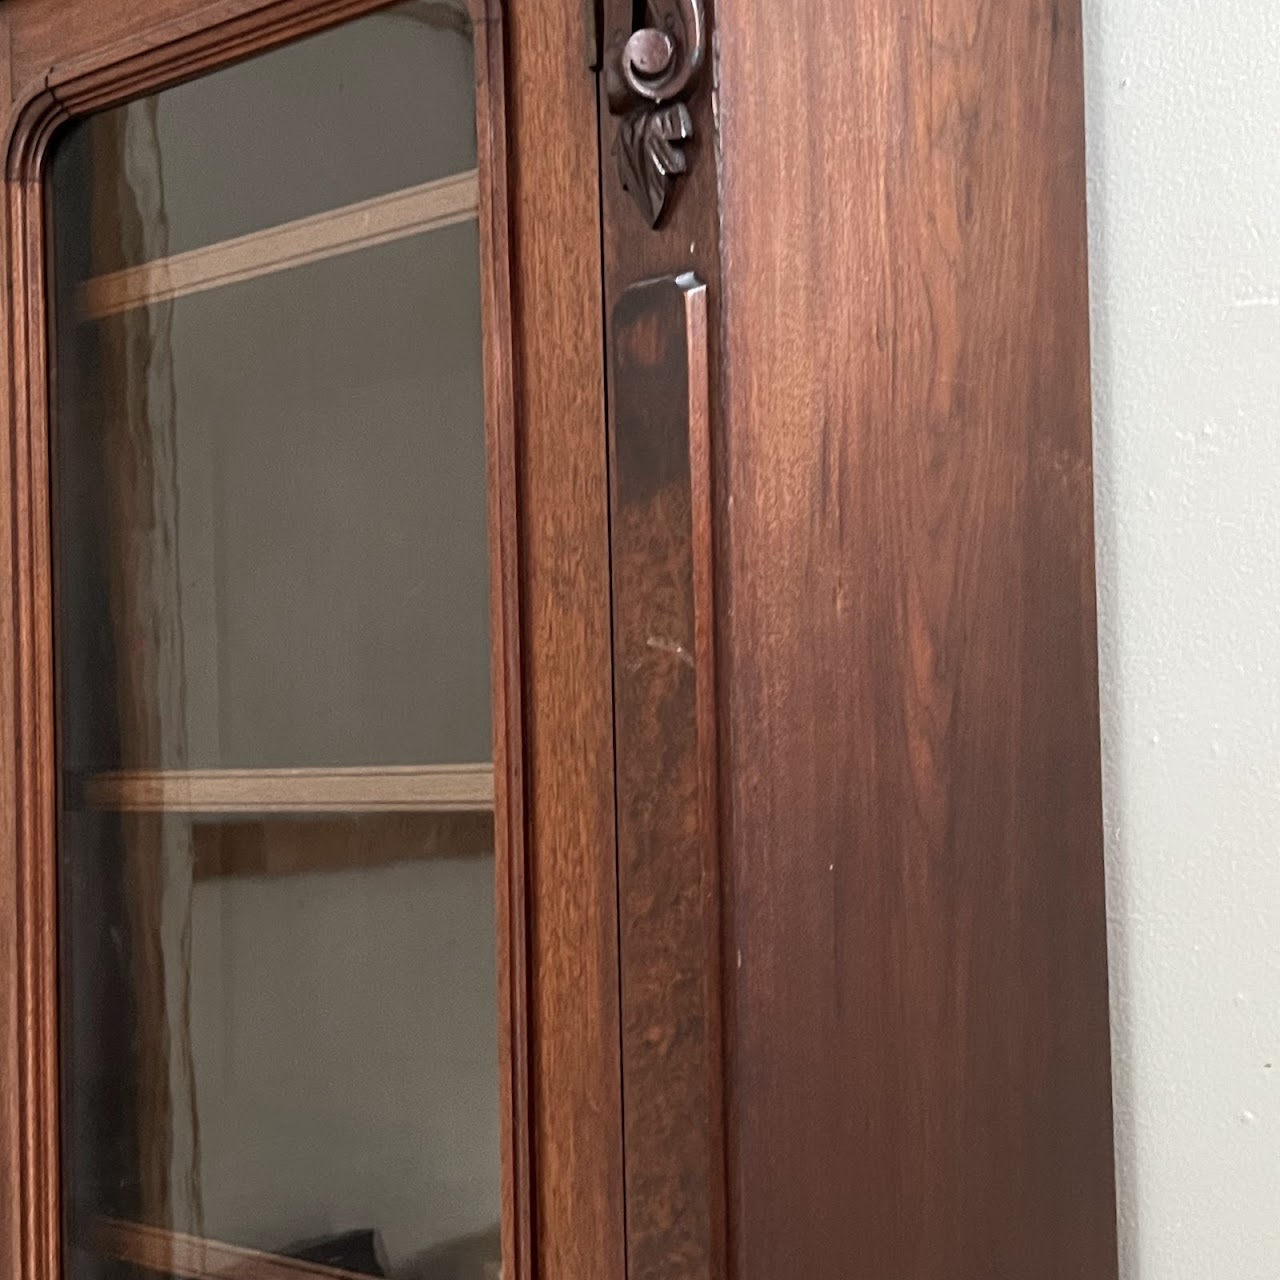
513, 896
575, 1094
920, 1047
12, 1034
171, 1253
28, 984
668, 881
380, 220
905, 638
426, 788
15, 1202
676, 1191
105, 54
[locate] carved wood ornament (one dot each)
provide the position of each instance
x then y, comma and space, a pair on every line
650, 71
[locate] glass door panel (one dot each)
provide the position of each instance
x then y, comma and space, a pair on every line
279, 990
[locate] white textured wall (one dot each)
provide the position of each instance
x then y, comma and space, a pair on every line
1184, 154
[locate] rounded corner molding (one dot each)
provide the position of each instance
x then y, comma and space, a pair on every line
650, 73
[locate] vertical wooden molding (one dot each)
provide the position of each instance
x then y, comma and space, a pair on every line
647, 271
138, 461
11, 1214
506, 662
28, 966
668, 873
562, 518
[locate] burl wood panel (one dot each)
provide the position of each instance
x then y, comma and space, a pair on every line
668, 882
675, 1189
920, 1065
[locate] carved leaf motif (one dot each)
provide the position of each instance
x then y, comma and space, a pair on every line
649, 154
649, 73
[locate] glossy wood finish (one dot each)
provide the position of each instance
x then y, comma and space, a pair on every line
676, 1191
513, 901
920, 1047
28, 1068
553, 744
663, 675
574, 1084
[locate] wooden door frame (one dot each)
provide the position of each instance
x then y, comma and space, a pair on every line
556, 891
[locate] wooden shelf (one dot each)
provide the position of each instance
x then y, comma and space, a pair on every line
291, 244
463, 788
291, 844
171, 1253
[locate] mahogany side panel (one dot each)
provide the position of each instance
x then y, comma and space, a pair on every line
920, 1050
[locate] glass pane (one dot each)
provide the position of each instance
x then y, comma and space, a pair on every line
276, 833
275, 135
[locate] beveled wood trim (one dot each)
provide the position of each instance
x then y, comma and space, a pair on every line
29, 1070
13, 1200
185, 39
668, 862
391, 789
380, 220
196, 1258
506, 660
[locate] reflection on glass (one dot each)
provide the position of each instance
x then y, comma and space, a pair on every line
276, 837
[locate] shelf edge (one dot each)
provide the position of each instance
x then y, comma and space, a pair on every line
411, 211
401, 789
196, 1258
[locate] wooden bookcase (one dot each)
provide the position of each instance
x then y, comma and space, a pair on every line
789, 781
